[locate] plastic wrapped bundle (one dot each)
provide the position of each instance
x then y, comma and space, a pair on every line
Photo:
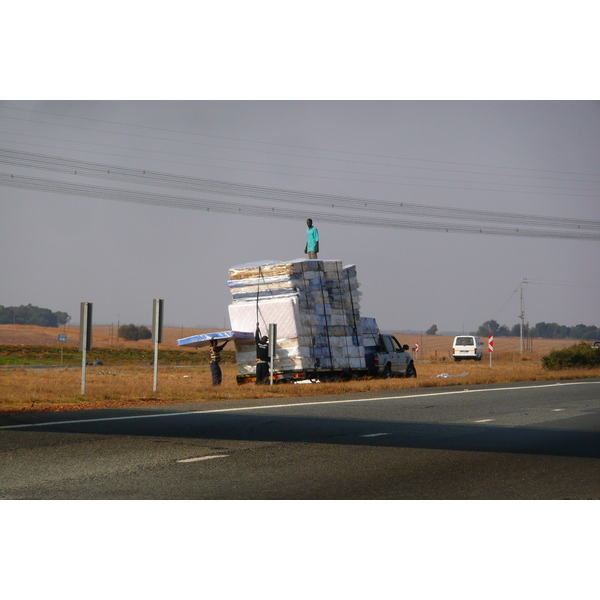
315, 304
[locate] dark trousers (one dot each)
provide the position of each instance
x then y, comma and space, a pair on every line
262, 372
217, 376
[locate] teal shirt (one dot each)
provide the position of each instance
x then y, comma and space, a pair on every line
312, 237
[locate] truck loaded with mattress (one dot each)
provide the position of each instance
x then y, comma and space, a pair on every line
320, 332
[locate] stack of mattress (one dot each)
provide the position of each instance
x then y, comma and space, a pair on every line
315, 305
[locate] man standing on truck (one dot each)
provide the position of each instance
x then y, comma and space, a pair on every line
312, 240
215, 359
262, 356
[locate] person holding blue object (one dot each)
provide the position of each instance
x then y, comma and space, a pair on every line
312, 240
215, 359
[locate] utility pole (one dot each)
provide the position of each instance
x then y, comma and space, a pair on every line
522, 315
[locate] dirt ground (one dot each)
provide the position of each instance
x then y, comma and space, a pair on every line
23, 390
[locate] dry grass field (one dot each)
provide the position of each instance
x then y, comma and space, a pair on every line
103, 336
117, 385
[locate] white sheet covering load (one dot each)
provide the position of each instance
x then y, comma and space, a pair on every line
315, 304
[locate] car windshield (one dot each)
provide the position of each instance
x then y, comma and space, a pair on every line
464, 341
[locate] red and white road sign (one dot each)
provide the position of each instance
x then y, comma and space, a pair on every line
416, 347
490, 343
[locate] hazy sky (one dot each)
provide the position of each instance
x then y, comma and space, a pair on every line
536, 158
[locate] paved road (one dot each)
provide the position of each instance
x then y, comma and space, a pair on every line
516, 441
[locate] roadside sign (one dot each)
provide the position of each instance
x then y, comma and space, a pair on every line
62, 337
490, 343
85, 338
416, 347
158, 309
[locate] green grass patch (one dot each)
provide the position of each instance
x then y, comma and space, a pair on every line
24, 355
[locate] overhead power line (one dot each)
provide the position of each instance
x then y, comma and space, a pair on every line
356, 175
179, 182
278, 145
565, 283
348, 176
450, 184
131, 196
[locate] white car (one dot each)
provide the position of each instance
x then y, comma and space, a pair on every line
467, 347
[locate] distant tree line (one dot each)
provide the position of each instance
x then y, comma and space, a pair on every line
540, 330
32, 315
133, 333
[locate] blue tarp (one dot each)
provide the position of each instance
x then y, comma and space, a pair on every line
204, 339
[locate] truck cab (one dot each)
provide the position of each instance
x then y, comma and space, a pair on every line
388, 358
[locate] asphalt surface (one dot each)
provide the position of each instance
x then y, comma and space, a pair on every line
507, 441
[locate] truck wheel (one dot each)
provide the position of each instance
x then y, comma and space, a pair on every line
411, 371
387, 372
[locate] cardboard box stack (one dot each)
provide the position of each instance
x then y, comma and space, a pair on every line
315, 305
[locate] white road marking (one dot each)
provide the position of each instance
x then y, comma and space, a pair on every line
484, 420
291, 405
198, 458
374, 434
556, 409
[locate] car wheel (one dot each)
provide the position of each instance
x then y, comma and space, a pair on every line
411, 371
387, 372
